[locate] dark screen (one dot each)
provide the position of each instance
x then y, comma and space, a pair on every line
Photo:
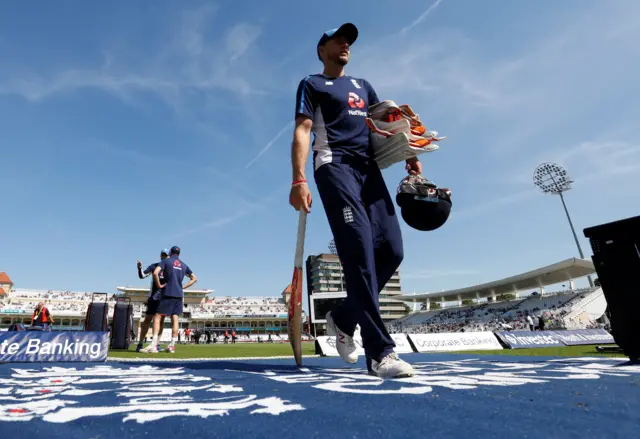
322, 306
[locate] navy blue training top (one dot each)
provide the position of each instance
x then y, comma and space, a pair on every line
338, 108
154, 288
174, 272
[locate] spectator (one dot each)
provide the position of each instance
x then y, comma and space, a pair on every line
42, 318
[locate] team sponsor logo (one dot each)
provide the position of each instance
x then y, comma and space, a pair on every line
357, 103
525, 339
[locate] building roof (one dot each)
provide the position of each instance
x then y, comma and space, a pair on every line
325, 257
147, 289
4, 278
540, 277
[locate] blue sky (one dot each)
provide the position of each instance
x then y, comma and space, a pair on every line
129, 126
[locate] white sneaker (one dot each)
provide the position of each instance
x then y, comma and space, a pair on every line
345, 345
151, 349
392, 366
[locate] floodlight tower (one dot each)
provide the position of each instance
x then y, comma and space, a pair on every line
332, 247
334, 251
552, 178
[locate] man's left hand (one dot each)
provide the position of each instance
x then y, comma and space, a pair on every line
414, 167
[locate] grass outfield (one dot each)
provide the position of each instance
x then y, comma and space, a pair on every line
220, 351
284, 349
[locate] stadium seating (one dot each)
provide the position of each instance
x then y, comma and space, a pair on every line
556, 309
69, 310
565, 309
240, 306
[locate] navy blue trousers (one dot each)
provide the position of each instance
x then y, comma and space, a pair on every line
368, 240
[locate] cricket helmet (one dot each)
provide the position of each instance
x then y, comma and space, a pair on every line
423, 205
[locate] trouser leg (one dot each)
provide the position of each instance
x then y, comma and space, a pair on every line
341, 192
387, 236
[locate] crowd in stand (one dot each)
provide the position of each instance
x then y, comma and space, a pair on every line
77, 302
546, 312
60, 303
533, 312
239, 306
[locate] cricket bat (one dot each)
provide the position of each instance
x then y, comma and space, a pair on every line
295, 300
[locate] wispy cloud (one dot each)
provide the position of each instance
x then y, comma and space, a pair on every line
271, 142
499, 201
246, 209
529, 91
235, 183
212, 84
188, 63
538, 97
132, 155
421, 18
240, 38
438, 273
585, 161
601, 159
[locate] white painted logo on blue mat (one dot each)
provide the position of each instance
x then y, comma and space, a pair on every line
456, 375
142, 393
147, 393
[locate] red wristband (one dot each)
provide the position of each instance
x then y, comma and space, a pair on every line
298, 182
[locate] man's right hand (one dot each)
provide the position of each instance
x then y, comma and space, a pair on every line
139, 264
300, 197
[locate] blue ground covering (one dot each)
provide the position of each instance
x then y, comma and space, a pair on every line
452, 396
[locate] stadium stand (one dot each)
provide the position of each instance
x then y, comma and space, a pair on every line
254, 319
509, 315
499, 304
264, 319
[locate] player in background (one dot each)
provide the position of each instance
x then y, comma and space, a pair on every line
153, 300
358, 206
171, 301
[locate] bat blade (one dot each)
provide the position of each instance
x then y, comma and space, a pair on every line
295, 300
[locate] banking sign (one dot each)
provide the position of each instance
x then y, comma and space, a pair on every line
37, 346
